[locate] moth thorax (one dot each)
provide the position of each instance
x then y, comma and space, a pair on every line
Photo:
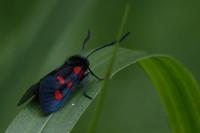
78, 60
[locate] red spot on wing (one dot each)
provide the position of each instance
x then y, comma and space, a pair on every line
61, 80
77, 69
58, 95
69, 84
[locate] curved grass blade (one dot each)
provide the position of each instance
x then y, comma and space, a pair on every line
31, 119
178, 90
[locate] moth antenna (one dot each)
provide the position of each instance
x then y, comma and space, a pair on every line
109, 44
87, 38
123, 37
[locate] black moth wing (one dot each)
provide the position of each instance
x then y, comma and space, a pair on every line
53, 90
56, 89
29, 93
33, 90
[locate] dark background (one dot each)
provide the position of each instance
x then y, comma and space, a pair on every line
37, 35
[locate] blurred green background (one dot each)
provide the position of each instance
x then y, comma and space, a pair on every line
36, 36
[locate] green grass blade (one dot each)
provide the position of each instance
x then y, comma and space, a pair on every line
31, 119
100, 101
178, 91
172, 75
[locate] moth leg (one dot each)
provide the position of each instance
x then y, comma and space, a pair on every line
93, 74
84, 89
86, 95
84, 76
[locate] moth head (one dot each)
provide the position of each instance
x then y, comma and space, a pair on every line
78, 60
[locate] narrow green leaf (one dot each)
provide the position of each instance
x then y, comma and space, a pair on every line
178, 91
31, 119
102, 96
176, 86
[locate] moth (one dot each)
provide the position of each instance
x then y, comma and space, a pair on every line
54, 89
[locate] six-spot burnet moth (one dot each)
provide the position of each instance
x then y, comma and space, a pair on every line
53, 90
